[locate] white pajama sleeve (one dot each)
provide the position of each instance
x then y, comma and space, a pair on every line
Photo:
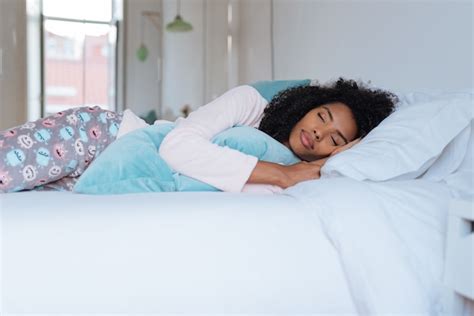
188, 148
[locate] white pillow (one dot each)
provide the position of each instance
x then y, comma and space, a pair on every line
406, 143
461, 181
130, 122
451, 157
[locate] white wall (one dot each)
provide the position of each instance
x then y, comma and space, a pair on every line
198, 67
142, 80
255, 41
238, 48
13, 83
215, 49
183, 59
401, 45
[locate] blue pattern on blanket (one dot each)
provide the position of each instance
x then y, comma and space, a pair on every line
132, 164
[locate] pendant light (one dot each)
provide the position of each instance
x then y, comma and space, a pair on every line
142, 52
178, 24
153, 17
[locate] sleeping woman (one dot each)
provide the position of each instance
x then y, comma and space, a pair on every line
314, 121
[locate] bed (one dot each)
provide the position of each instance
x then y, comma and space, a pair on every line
358, 241
377, 249
166, 253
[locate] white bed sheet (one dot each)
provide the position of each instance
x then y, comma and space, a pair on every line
331, 246
391, 240
194, 252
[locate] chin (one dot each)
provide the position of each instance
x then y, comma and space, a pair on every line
310, 159
313, 158
305, 157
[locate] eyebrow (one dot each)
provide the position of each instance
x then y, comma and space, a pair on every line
330, 116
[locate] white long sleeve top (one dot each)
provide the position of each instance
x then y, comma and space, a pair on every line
188, 148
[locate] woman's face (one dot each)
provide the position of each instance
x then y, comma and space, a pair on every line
322, 130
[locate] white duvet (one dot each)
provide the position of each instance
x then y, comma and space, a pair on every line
165, 253
390, 239
326, 247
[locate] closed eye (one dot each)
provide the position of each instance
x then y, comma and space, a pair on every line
321, 117
335, 144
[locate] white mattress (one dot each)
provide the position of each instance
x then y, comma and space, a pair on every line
194, 252
330, 246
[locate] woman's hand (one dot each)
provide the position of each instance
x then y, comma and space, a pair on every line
301, 171
345, 147
304, 171
285, 176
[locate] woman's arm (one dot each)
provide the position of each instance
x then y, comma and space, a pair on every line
285, 175
188, 149
277, 177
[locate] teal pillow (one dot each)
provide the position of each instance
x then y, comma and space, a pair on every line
132, 164
269, 89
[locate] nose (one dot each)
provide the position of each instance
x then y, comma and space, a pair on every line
317, 135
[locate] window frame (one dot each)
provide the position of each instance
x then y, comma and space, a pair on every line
114, 21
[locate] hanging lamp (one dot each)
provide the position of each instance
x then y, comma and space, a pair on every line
178, 24
142, 52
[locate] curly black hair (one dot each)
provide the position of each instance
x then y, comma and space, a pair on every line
369, 106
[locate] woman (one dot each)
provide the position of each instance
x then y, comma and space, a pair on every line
315, 122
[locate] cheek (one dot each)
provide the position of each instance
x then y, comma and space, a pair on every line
352, 129
294, 140
323, 149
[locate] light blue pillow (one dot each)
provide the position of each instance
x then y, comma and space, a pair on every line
269, 89
131, 163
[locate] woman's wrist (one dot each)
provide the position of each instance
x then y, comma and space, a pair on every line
268, 173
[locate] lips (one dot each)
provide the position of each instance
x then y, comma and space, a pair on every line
306, 140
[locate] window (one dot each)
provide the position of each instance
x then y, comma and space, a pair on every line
79, 54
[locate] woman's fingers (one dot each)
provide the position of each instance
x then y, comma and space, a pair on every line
301, 171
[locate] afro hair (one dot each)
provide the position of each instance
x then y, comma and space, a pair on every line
368, 106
